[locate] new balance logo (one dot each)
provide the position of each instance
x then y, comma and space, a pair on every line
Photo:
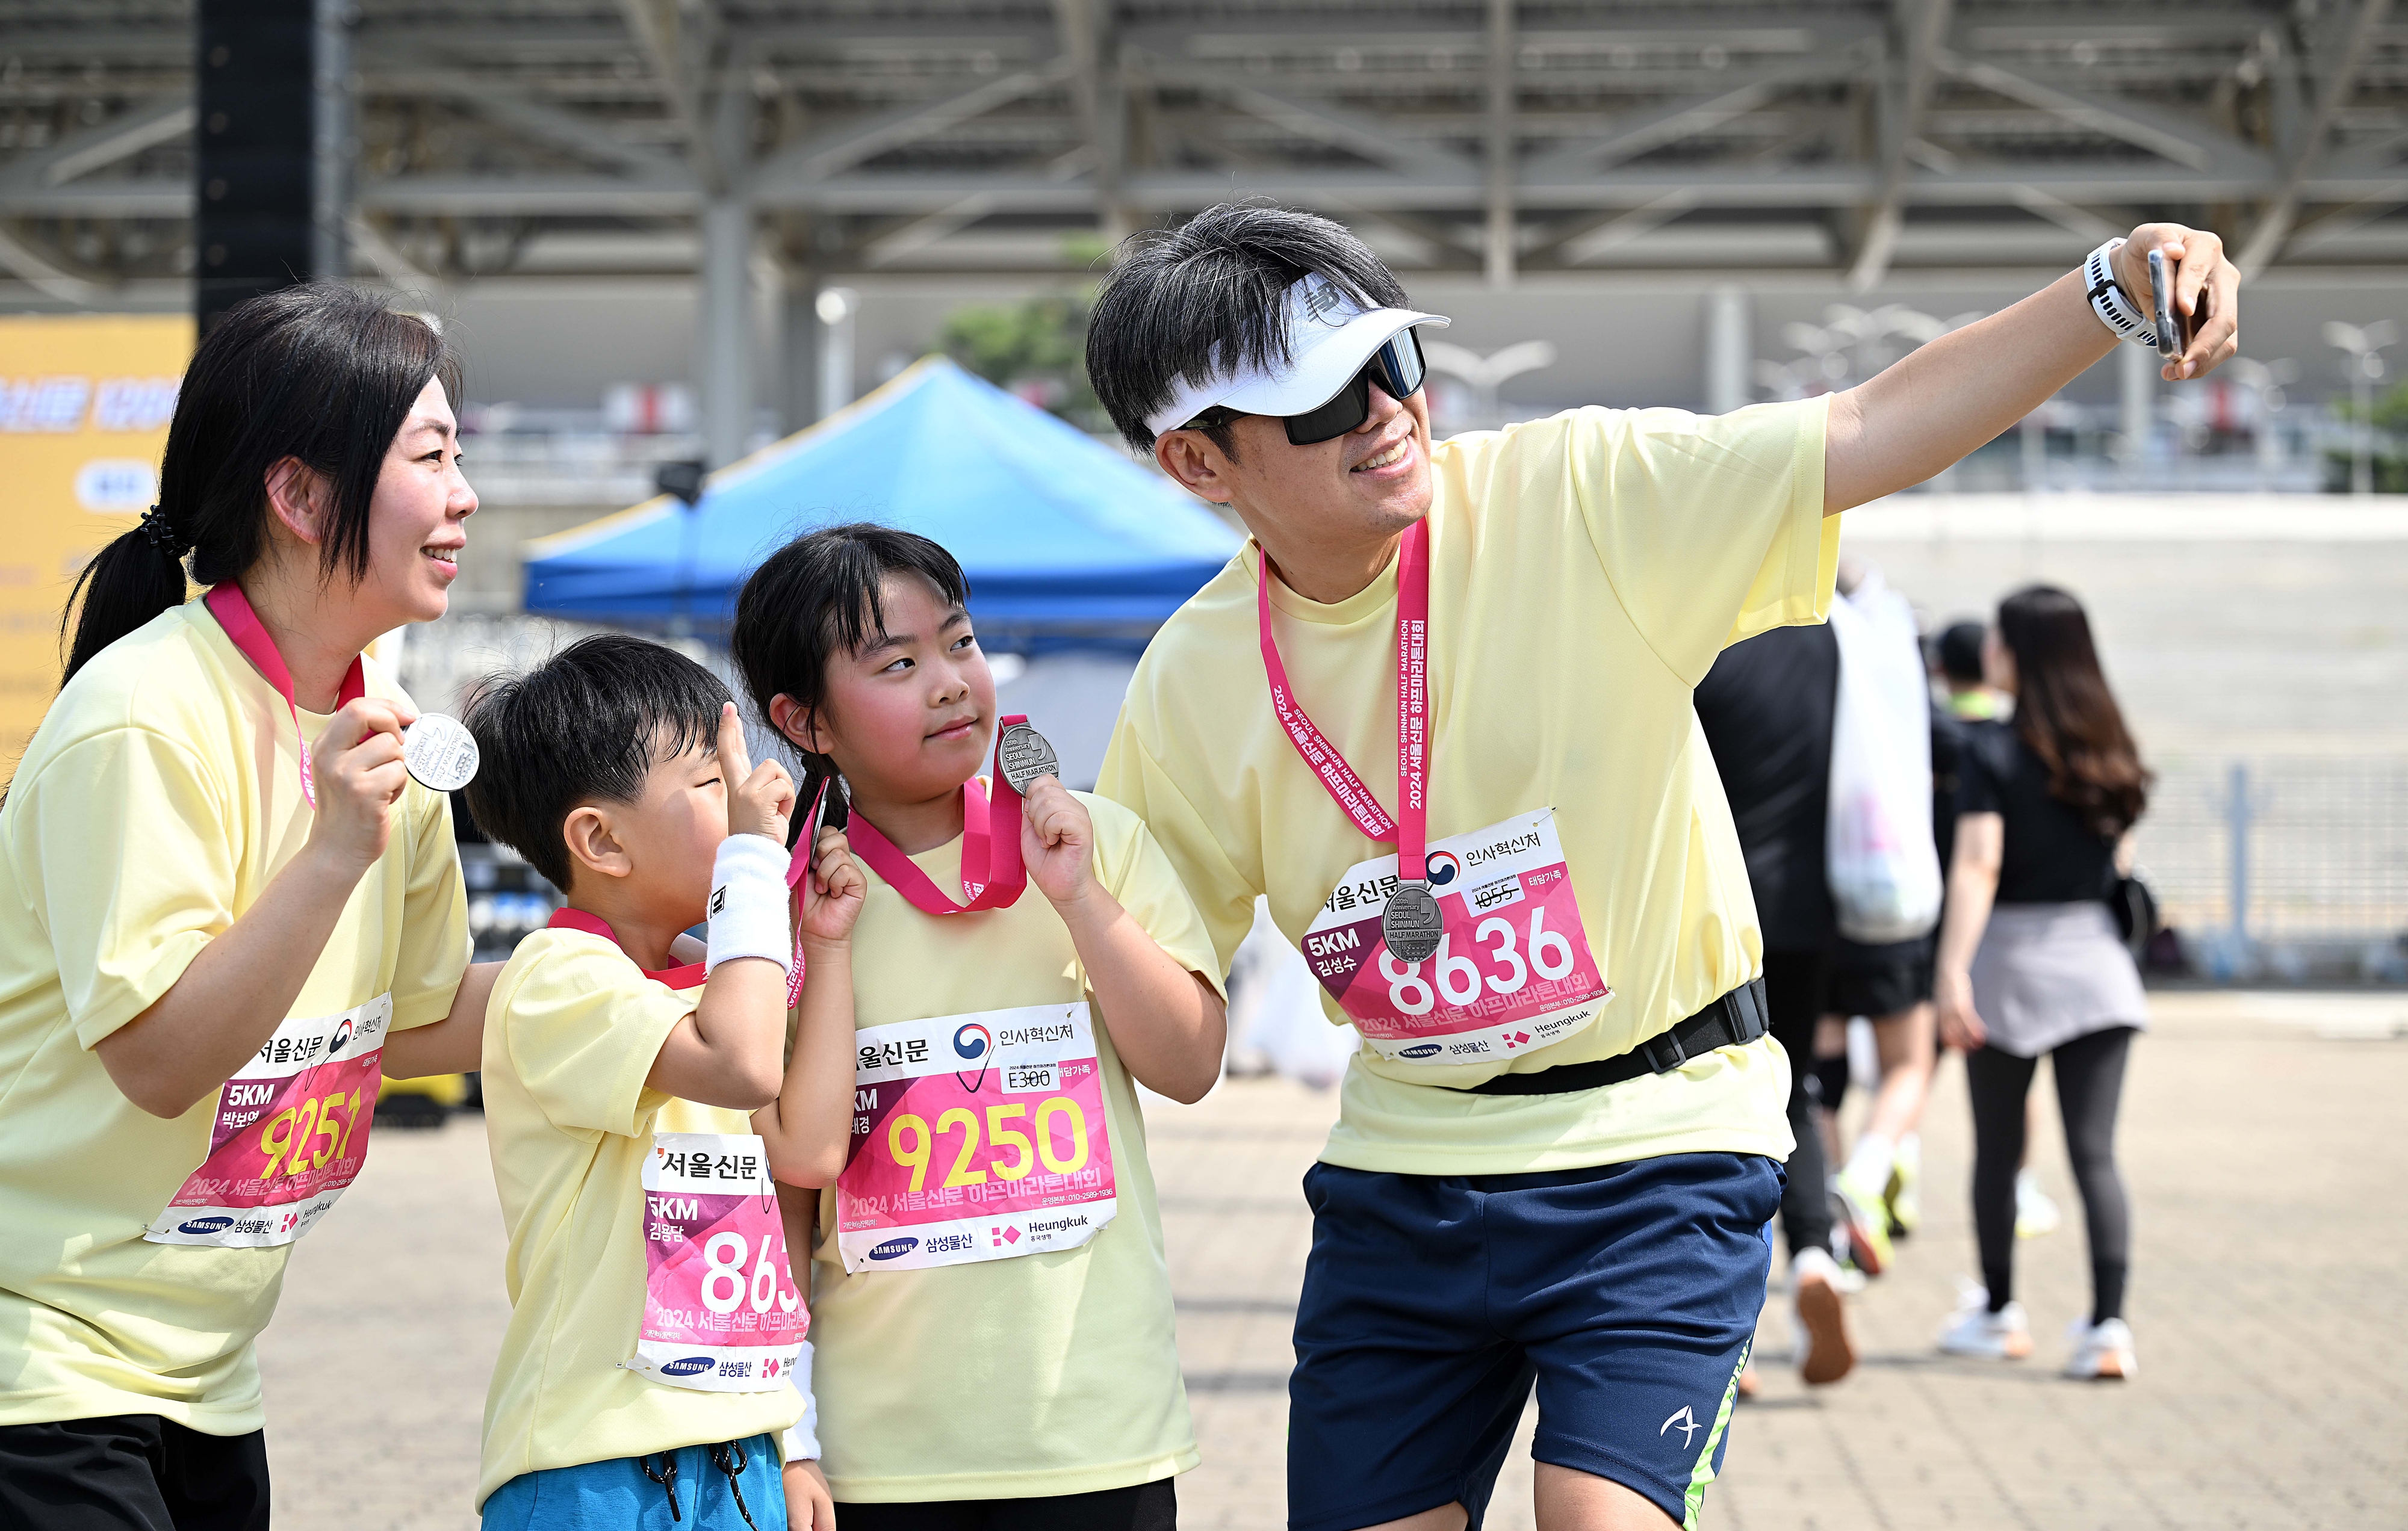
1686, 1421
718, 900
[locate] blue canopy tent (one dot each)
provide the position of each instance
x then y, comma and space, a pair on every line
1065, 541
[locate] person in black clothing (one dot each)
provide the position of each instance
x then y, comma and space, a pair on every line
1766, 708
2031, 962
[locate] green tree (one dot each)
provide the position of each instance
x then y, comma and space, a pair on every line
1036, 348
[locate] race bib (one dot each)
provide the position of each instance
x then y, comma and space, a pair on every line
975, 1137
1513, 973
721, 1310
292, 1132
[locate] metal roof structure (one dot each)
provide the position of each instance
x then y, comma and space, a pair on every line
1502, 137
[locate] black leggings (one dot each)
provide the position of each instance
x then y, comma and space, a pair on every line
1793, 998
2089, 1085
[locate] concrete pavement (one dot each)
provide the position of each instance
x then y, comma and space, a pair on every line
2272, 1229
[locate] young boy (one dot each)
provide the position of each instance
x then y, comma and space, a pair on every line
655, 1342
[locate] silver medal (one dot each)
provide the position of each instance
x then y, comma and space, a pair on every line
439, 752
1413, 923
1024, 756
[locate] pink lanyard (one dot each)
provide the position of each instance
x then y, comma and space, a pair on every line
993, 847
1409, 829
232, 611
690, 976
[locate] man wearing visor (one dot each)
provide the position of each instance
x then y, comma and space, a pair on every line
1439, 711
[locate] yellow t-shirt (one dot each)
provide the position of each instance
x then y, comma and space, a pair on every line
1584, 571
572, 1029
1047, 1374
158, 799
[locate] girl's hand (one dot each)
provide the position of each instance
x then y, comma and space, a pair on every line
1057, 841
356, 769
760, 798
809, 1506
1960, 1026
838, 889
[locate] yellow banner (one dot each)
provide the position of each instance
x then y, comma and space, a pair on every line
85, 402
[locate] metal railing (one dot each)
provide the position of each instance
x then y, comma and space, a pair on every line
2277, 865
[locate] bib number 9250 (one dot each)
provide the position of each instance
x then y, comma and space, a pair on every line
1507, 967
1014, 1154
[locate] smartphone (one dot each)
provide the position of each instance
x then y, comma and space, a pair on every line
2173, 331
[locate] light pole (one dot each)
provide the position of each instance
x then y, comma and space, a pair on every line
2361, 345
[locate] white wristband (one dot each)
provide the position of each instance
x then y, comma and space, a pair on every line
801, 1442
2107, 299
748, 903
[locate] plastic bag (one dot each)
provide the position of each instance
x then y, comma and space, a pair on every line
1882, 866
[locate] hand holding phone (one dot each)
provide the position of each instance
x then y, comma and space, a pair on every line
2173, 327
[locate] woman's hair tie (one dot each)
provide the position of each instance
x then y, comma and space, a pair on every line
161, 534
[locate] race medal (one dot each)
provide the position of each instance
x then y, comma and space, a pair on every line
1023, 755
975, 1137
1413, 924
439, 752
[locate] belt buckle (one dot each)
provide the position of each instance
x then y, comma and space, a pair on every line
1679, 1054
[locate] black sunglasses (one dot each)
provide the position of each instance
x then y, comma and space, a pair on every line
1399, 369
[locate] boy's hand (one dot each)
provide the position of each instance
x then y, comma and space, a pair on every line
1057, 841
2207, 289
809, 1506
760, 798
838, 889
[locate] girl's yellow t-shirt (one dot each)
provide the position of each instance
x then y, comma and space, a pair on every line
1040, 1375
158, 799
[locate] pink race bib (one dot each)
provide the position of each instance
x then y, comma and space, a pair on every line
721, 1310
975, 1137
292, 1132
1512, 974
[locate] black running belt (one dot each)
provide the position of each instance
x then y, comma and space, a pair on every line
1738, 1017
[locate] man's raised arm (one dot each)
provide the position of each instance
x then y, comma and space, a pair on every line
1942, 401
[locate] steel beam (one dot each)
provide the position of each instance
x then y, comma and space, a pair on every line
2341, 64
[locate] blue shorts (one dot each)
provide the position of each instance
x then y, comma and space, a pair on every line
1431, 1303
621, 1496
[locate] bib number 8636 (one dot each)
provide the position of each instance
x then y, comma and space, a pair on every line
1459, 980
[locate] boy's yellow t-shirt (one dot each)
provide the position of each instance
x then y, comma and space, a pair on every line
572, 1029
1041, 1375
157, 800
1584, 571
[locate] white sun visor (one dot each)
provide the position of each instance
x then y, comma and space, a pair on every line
1329, 338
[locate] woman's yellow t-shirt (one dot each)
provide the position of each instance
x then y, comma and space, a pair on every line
158, 799
571, 1032
1044, 1374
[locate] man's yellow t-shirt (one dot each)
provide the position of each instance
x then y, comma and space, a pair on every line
1045, 1374
1584, 571
571, 1031
158, 799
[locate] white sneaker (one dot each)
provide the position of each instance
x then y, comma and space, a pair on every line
1825, 1352
2036, 1213
1973, 1330
2102, 1353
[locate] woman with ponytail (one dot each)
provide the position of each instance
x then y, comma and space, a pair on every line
2030, 963
227, 911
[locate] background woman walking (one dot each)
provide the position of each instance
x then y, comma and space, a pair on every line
2031, 962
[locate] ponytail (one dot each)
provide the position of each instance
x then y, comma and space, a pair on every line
318, 373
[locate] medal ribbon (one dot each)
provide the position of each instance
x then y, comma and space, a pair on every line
798, 869
993, 847
689, 976
1410, 829
232, 609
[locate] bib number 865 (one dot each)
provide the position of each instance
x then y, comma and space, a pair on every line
1459, 980
723, 1286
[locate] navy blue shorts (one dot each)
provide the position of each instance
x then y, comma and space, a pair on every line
1431, 1303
